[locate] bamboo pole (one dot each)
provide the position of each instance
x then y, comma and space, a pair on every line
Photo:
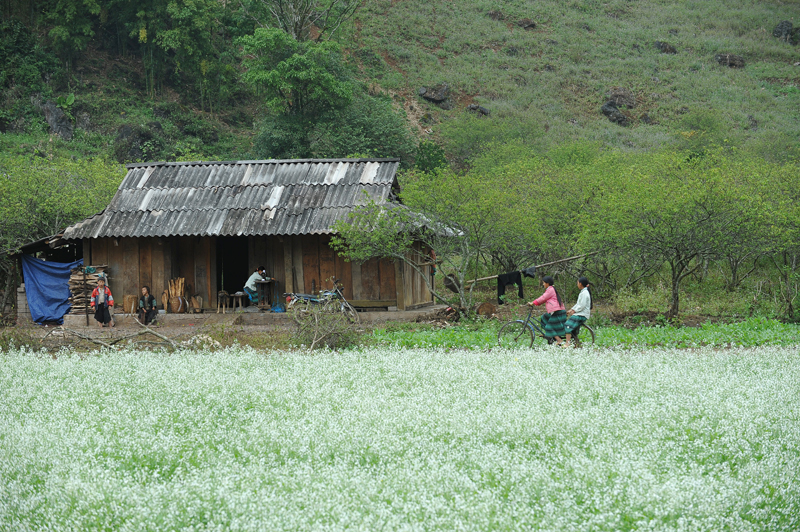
538, 266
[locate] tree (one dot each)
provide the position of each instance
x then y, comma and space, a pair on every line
672, 209
453, 215
298, 78
40, 197
305, 20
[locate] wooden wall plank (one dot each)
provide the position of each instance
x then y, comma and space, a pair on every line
311, 276
327, 263
115, 267
355, 274
170, 259
288, 281
158, 274
211, 264
201, 252
275, 250
370, 280
130, 266
344, 272
185, 260
297, 263
99, 252
145, 264
386, 275
399, 281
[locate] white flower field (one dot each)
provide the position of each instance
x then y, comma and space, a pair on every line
383, 439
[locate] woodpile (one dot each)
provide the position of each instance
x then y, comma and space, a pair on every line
81, 285
175, 297
179, 298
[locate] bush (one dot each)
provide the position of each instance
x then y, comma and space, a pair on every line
320, 325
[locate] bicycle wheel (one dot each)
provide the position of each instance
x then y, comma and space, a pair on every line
585, 336
299, 310
515, 334
350, 313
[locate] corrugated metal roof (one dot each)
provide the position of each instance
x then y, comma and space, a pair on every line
273, 197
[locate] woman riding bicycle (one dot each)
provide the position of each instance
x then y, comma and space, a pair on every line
553, 320
582, 309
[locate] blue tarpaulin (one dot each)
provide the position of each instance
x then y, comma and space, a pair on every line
47, 288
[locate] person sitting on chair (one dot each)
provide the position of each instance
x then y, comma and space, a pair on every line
148, 310
250, 286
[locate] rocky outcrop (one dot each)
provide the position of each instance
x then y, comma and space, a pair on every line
666, 48
731, 60
482, 111
438, 94
59, 122
786, 32
621, 96
613, 113
138, 143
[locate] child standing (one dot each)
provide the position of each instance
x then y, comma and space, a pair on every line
102, 300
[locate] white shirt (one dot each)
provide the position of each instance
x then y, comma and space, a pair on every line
251, 282
583, 306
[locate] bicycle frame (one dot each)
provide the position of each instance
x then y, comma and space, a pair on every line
536, 327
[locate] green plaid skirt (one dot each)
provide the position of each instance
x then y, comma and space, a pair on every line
553, 324
573, 323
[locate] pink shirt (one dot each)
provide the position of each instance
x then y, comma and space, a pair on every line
550, 300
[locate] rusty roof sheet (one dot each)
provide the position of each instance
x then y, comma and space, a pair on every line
273, 197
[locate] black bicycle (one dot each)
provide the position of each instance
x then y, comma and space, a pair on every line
522, 333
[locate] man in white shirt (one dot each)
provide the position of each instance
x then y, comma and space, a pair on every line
250, 286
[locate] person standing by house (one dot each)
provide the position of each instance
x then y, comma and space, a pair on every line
553, 320
582, 309
102, 301
250, 287
148, 309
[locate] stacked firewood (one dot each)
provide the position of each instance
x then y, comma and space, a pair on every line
81, 285
179, 299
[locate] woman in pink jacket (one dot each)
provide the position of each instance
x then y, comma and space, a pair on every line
555, 317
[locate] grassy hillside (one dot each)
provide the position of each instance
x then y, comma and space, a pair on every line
542, 69
546, 84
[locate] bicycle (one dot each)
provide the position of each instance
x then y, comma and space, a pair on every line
521, 333
333, 300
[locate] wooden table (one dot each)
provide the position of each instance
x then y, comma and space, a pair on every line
264, 292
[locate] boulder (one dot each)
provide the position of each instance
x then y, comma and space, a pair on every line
614, 114
783, 31
60, 124
482, 111
438, 94
621, 96
526, 24
666, 48
731, 60
138, 143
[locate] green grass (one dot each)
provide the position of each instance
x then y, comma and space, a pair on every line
483, 335
553, 79
388, 439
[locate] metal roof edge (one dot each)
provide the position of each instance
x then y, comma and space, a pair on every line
264, 161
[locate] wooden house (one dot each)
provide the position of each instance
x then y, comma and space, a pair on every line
213, 223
